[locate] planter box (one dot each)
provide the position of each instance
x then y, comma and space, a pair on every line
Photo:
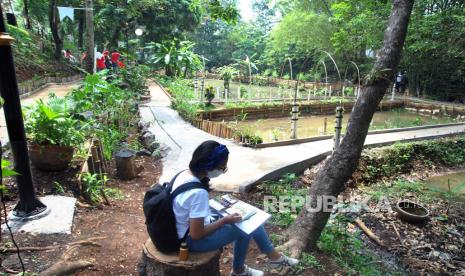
50, 157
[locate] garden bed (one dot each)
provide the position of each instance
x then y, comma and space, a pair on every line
210, 118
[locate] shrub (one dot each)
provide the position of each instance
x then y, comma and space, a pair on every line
51, 123
136, 77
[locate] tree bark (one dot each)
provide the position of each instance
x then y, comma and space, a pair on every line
54, 20
90, 59
80, 18
26, 15
152, 262
330, 180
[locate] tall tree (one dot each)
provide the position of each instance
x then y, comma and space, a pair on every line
299, 36
332, 177
26, 14
434, 55
80, 16
54, 21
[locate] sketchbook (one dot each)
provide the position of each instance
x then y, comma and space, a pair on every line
252, 217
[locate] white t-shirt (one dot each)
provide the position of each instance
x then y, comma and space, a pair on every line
98, 55
190, 204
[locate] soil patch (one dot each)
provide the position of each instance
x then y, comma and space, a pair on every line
435, 247
121, 224
122, 228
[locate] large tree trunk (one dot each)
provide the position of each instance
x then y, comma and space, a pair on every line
331, 178
54, 20
81, 24
26, 15
90, 60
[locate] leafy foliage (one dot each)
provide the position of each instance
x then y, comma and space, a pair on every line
52, 123
112, 109
183, 93
347, 248
175, 56
93, 185
390, 162
136, 77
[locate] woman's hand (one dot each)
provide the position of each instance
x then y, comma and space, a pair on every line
198, 230
231, 219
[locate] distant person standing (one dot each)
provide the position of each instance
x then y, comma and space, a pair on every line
398, 82
403, 82
115, 59
100, 59
108, 63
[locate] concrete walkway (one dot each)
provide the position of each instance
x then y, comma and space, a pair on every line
246, 165
59, 90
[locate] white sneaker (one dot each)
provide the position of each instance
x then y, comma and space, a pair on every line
283, 261
248, 272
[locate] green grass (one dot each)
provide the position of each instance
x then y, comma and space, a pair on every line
387, 163
347, 249
308, 261
183, 93
398, 189
114, 193
284, 187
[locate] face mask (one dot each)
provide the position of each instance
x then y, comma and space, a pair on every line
215, 173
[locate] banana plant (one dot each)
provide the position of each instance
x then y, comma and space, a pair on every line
175, 56
227, 73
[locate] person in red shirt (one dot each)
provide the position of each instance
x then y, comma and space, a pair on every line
101, 63
115, 59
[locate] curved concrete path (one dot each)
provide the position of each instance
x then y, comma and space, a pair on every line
246, 165
59, 89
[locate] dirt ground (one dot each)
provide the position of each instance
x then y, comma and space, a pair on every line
120, 229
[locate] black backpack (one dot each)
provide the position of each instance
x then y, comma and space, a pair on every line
159, 215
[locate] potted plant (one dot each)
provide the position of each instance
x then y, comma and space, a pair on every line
209, 95
52, 134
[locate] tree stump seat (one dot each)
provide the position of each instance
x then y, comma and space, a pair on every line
153, 262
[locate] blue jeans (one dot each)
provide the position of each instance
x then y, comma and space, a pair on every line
230, 233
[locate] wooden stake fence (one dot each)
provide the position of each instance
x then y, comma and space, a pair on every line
214, 128
94, 164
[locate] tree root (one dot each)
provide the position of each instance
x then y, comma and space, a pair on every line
65, 268
369, 233
90, 241
294, 247
27, 248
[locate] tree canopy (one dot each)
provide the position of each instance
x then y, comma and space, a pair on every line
351, 30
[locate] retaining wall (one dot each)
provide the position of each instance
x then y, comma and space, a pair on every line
283, 110
437, 107
30, 86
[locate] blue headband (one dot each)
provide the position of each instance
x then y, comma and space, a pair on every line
218, 155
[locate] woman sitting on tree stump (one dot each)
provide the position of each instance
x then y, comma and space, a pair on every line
192, 212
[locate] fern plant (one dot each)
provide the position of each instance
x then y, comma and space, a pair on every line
52, 124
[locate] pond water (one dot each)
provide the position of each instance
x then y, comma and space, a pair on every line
442, 182
278, 129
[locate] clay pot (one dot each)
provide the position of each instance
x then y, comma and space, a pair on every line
50, 157
411, 212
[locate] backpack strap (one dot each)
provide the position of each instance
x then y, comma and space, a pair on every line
171, 183
183, 188
186, 187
